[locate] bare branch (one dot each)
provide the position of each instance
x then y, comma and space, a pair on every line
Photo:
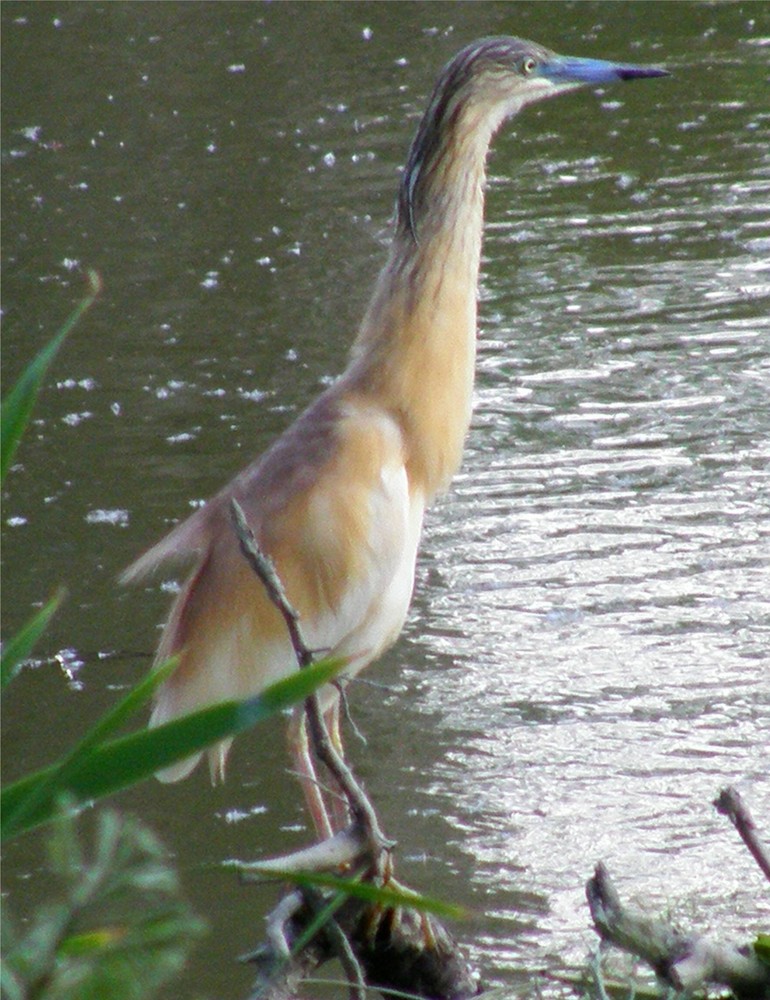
265, 569
340, 944
360, 806
685, 961
731, 804
342, 850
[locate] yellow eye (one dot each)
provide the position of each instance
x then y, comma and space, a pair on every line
528, 66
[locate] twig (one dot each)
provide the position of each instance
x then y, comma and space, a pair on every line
278, 973
341, 945
265, 569
345, 706
361, 808
730, 804
343, 849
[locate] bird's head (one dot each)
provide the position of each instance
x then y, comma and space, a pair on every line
489, 81
501, 75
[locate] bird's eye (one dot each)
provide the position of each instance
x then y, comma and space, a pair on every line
528, 66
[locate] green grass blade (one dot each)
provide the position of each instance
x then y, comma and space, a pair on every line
388, 896
59, 776
19, 647
125, 708
112, 766
320, 919
16, 409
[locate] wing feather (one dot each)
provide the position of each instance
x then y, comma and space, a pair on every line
331, 504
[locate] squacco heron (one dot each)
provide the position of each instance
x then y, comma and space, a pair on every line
337, 501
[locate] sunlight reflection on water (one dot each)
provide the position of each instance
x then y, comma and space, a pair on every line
601, 566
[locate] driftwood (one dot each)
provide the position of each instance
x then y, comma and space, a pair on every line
390, 947
686, 961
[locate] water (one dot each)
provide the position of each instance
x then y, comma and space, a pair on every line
586, 660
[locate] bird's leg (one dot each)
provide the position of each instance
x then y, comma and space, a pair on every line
329, 817
339, 807
303, 764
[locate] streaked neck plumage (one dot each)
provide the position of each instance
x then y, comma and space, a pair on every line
415, 350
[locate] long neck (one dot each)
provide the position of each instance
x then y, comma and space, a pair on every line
415, 351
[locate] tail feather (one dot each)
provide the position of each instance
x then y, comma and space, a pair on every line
217, 753
172, 700
221, 648
185, 541
178, 771
166, 709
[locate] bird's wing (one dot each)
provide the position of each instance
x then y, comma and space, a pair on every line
181, 544
330, 504
264, 488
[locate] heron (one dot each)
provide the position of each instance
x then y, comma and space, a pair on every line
337, 501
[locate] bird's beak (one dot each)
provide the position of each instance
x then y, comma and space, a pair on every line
566, 70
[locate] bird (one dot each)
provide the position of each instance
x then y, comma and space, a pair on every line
337, 501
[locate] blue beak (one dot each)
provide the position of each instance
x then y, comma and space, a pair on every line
566, 69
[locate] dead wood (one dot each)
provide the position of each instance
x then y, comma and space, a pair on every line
686, 961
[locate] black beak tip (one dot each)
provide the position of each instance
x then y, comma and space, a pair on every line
640, 72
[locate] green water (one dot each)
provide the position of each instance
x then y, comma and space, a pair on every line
586, 659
